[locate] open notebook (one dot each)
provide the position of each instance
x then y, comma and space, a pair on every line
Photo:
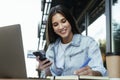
12, 60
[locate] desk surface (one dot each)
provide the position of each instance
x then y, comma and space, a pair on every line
67, 78
77, 78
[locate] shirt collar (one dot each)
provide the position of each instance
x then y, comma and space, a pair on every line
75, 41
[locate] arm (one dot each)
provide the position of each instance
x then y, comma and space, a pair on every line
87, 71
93, 67
48, 73
96, 62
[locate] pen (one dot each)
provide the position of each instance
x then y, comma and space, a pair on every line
86, 62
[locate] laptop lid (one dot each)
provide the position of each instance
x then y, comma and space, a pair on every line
12, 60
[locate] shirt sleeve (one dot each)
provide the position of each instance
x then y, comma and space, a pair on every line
96, 62
50, 55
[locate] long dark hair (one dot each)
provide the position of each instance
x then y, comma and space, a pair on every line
51, 36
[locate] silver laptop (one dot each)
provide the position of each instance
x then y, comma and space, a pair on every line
12, 60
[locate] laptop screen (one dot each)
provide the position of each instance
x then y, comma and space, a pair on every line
12, 60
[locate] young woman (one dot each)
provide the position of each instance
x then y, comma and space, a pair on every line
68, 51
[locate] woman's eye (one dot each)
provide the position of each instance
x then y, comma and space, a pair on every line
63, 20
55, 24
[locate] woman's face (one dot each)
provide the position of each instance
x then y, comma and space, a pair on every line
61, 26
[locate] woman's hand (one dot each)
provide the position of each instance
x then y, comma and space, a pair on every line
87, 71
43, 64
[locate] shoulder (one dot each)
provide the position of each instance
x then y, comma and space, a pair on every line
51, 46
90, 42
83, 38
79, 39
87, 38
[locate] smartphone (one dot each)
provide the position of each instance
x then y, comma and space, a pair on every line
41, 54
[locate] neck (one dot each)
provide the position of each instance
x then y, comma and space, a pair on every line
67, 39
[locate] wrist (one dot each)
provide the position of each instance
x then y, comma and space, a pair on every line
48, 72
96, 73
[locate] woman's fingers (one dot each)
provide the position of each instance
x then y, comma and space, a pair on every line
84, 71
44, 64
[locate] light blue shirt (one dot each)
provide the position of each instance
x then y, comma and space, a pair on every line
80, 49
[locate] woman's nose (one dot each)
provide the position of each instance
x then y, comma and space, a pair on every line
61, 26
